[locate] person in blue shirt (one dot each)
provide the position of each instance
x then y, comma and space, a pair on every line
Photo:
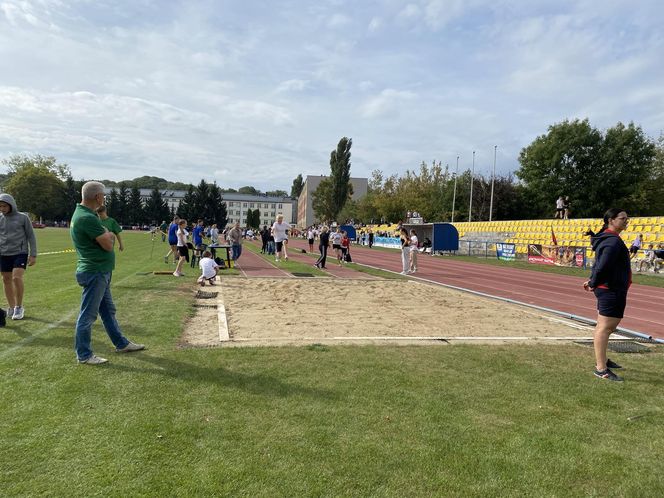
197, 234
173, 240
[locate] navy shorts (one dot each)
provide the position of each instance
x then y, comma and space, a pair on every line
611, 302
8, 263
280, 245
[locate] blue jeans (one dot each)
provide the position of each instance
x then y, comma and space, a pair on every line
96, 300
237, 251
270, 247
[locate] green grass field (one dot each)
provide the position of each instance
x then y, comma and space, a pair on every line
304, 421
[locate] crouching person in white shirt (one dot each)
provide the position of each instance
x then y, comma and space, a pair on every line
208, 268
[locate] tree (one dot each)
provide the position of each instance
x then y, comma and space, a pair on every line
155, 208
296, 188
217, 213
113, 205
201, 201
248, 190
35, 184
186, 208
135, 211
71, 196
322, 201
123, 201
253, 218
340, 175
276, 193
596, 171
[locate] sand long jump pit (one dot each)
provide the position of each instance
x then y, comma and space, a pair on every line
302, 311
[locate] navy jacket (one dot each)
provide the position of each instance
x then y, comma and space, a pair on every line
612, 266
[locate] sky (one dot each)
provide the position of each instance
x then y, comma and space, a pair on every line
255, 92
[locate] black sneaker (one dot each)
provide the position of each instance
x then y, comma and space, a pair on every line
611, 364
607, 374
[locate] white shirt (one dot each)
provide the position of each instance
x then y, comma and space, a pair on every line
182, 237
279, 231
310, 234
336, 238
208, 267
413, 242
560, 204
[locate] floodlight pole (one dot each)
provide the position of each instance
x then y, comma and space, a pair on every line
456, 175
493, 179
472, 175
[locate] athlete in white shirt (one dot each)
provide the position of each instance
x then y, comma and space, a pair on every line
413, 251
280, 232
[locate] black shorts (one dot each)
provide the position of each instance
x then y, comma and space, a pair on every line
8, 263
336, 246
344, 250
280, 245
183, 251
611, 303
633, 249
311, 241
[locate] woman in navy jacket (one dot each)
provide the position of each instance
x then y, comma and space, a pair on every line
610, 279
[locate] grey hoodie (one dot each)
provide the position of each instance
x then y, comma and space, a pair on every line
16, 233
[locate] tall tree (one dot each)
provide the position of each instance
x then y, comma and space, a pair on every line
217, 213
248, 190
135, 211
324, 210
156, 209
186, 209
340, 174
113, 205
296, 188
201, 201
71, 196
36, 190
123, 201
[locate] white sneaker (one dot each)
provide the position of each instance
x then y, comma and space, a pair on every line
10, 313
19, 311
277, 260
403, 273
94, 360
177, 274
130, 348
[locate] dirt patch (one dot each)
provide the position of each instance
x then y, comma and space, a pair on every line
305, 311
202, 329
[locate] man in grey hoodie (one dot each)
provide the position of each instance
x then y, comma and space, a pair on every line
18, 249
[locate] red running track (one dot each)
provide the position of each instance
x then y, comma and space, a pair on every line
645, 304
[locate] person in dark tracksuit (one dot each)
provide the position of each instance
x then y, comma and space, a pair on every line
610, 280
323, 244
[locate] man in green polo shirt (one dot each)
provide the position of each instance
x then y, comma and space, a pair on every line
111, 225
96, 261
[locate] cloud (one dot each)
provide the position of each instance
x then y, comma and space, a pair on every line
388, 101
292, 86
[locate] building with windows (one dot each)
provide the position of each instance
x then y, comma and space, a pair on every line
305, 210
236, 205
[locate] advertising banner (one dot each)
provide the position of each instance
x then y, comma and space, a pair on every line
557, 255
506, 252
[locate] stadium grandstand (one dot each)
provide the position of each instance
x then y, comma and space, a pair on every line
547, 231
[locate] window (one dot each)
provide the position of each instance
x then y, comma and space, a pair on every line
274, 214
230, 220
244, 204
230, 204
237, 212
280, 206
274, 206
251, 205
266, 206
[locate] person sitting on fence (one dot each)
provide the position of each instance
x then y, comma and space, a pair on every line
648, 260
208, 268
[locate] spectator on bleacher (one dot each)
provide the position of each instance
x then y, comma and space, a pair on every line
560, 208
649, 260
610, 279
566, 206
636, 245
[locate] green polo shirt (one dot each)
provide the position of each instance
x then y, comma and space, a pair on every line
111, 224
85, 228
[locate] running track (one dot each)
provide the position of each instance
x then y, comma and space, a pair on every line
645, 304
